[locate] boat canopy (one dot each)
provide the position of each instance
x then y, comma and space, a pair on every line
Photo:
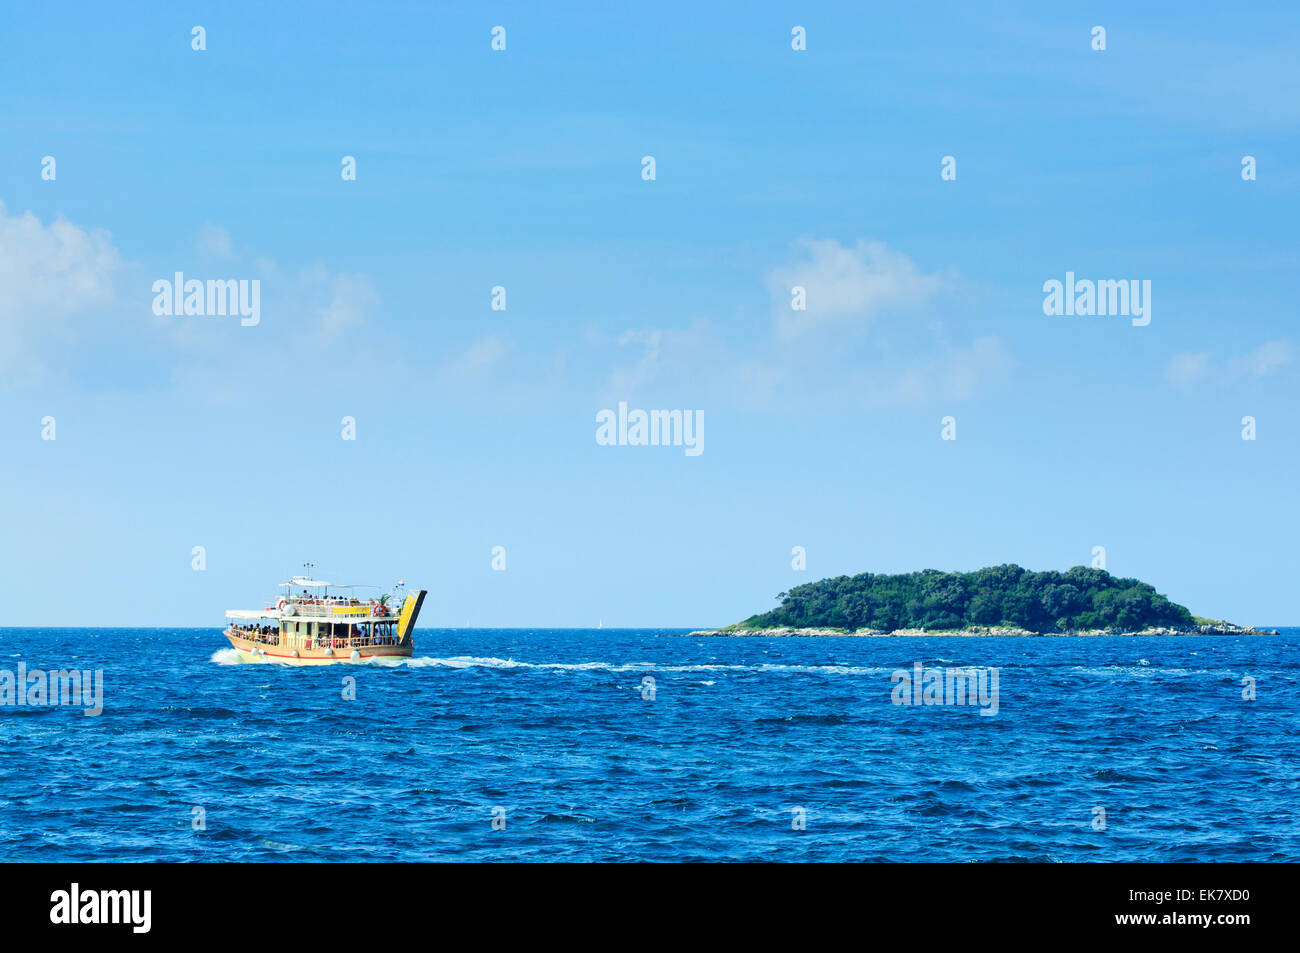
299, 582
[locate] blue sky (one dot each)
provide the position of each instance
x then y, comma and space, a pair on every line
476, 428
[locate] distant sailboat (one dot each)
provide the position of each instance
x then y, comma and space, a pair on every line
600, 624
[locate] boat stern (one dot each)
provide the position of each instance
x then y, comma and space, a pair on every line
410, 612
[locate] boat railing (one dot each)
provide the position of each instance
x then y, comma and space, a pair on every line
357, 642
316, 642
337, 611
252, 635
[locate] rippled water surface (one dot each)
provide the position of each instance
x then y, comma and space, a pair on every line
552, 727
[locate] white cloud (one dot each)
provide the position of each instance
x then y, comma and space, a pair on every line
1187, 369
315, 305
48, 273
214, 242
852, 354
648, 364
493, 371
674, 363
481, 365
956, 373
652, 341
353, 299
67, 298
1192, 368
483, 355
1262, 361
846, 285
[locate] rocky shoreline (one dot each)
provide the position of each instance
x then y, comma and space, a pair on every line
784, 632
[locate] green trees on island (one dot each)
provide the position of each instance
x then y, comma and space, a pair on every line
1007, 595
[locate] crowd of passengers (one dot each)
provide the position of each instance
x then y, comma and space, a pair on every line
270, 635
315, 600
307, 599
259, 633
379, 637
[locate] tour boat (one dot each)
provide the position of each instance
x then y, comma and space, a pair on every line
310, 625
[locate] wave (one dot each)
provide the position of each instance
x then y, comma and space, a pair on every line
808, 720
472, 661
1143, 668
229, 656
1146, 671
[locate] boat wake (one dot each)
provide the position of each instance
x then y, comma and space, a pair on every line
231, 657
472, 661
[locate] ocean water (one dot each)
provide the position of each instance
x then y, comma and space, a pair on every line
740, 742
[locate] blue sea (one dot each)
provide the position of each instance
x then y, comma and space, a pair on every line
602, 745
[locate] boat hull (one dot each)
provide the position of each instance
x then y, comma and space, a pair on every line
250, 651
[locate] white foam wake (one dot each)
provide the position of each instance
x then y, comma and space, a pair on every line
231, 657
1144, 669
473, 661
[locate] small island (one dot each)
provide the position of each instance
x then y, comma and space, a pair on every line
998, 600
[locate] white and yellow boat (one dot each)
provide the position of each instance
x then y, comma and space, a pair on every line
310, 625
